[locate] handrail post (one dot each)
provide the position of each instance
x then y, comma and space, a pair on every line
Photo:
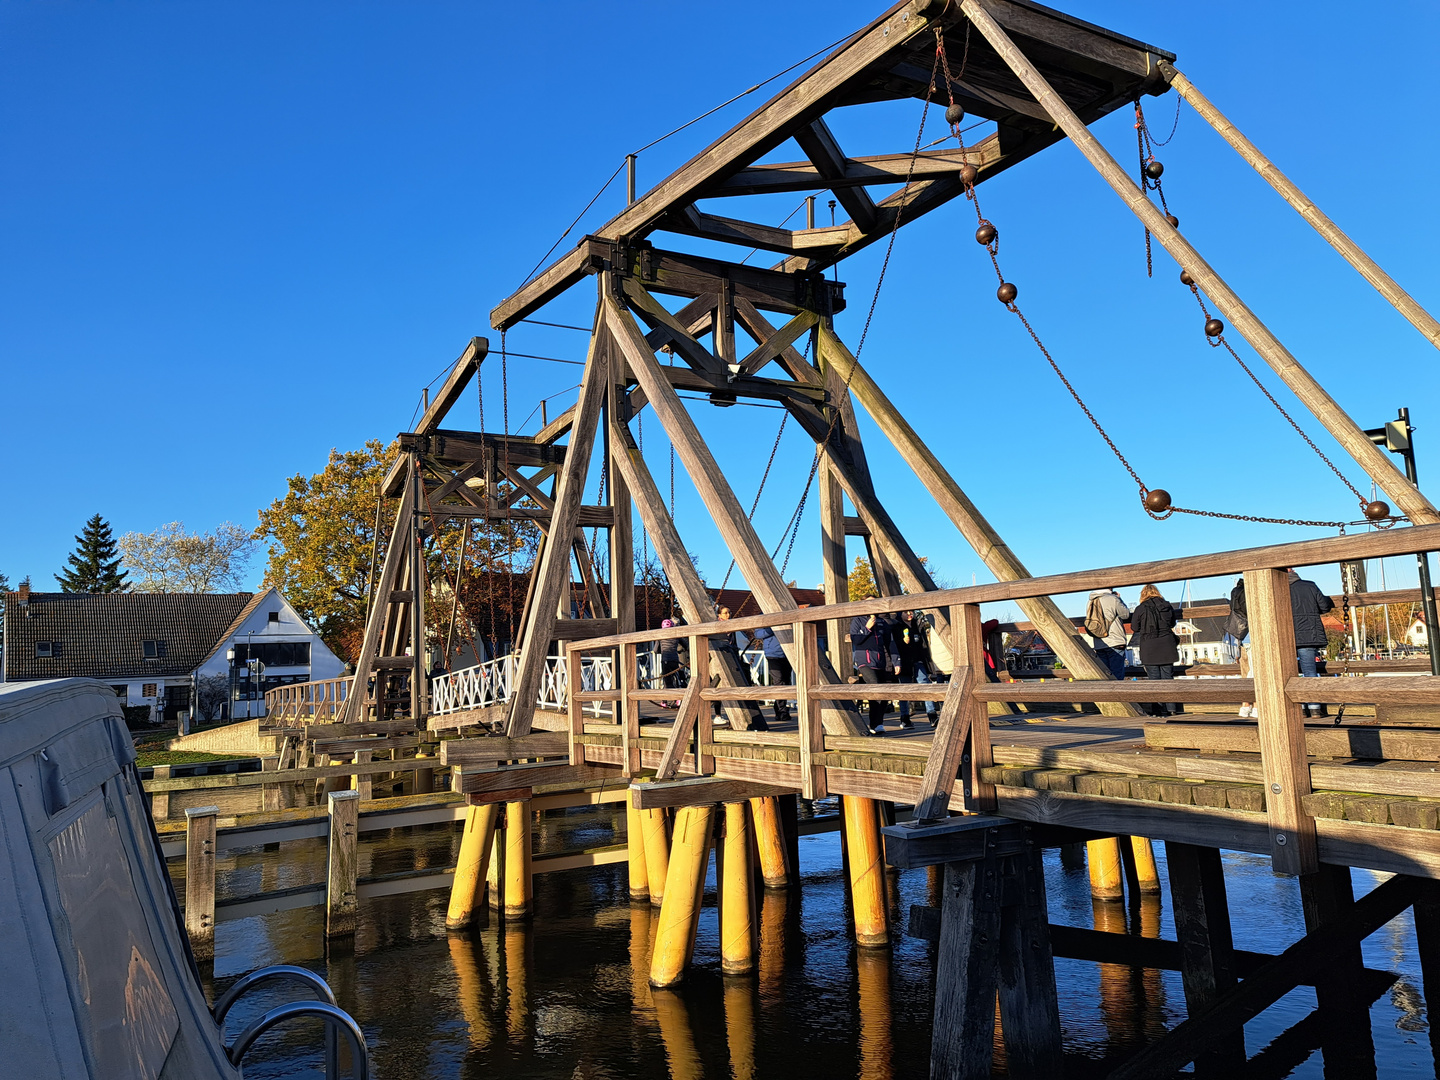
342, 871
812, 732
574, 706
200, 880
968, 647
704, 729
629, 711
1281, 722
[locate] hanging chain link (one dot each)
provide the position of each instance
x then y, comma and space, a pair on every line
489, 497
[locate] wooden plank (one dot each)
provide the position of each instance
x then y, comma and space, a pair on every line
499, 748
689, 713
371, 743
533, 774
920, 843
698, 791
958, 713
200, 880
1206, 948
1281, 724
967, 972
342, 865
288, 776
875, 169
1374, 461
1390, 690
1072, 691
552, 574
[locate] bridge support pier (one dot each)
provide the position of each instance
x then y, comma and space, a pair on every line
771, 840
737, 901
1107, 876
656, 841
517, 860
635, 854
471, 867
684, 891
866, 866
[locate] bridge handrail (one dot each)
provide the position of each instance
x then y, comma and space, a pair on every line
307, 700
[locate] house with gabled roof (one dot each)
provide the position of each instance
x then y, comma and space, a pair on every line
152, 648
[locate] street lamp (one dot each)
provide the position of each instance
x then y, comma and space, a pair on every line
230, 660
1398, 437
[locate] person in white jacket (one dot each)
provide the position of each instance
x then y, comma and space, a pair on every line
1105, 622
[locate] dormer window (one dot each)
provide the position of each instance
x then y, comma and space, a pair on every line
274, 616
49, 650
152, 650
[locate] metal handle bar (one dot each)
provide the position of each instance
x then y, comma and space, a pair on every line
265, 974
334, 1017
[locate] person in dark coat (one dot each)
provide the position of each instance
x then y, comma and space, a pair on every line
910, 645
872, 651
1307, 604
669, 650
1152, 631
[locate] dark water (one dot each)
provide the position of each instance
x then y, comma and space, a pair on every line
566, 996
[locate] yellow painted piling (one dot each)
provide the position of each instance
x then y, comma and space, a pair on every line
1145, 869
635, 847
737, 925
517, 859
495, 872
657, 852
684, 889
867, 870
1107, 878
770, 839
475, 843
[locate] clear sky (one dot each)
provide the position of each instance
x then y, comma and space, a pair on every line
235, 235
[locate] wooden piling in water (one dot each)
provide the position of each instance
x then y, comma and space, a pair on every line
770, 839
200, 880
635, 852
1147, 874
737, 924
684, 890
495, 872
343, 864
517, 860
1107, 879
867, 870
470, 868
656, 840
1207, 950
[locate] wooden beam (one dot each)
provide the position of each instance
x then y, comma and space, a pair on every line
777, 342
1326, 409
959, 839
818, 144
379, 609
552, 575
690, 710
958, 713
860, 171
498, 748
692, 222
659, 319
714, 490
1281, 723
472, 781
698, 791
1350, 251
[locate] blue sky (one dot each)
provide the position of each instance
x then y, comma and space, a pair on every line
233, 236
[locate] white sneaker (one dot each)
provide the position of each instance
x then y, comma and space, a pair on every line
1247, 711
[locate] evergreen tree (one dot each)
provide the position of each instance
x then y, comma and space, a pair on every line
94, 565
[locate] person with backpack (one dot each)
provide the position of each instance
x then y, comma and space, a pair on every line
1105, 617
777, 667
1307, 605
1152, 626
1237, 625
872, 652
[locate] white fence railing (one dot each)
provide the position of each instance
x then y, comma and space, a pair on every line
493, 682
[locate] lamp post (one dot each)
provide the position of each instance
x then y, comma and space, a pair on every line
1397, 437
230, 661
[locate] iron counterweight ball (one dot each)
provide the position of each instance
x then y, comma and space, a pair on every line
1214, 327
968, 173
1157, 500
1007, 292
1377, 510
1185, 278
1173, 220
954, 114
1154, 170
985, 234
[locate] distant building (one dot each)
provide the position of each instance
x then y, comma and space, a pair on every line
152, 648
1417, 636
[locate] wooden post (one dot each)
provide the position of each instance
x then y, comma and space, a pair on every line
1327, 897
967, 972
789, 809
160, 800
574, 707
517, 860
1281, 722
1029, 1004
808, 713
1384, 284
737, 925
684, 890
200, 880
629, 711
470, 868
424, 777
1146, 872
342, 871
363, 781
867, 870
1207, 951
1427, 940
770, 840
833, 557
495, 872
635, 853
419, 586
1107, 879
1371, 458
656, 841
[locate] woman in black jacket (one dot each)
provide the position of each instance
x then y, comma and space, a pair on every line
1152, 630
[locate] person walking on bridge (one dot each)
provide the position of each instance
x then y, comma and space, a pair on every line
872, 649
1105, 617
1152, 623
1307, 605
911, 646
777, 668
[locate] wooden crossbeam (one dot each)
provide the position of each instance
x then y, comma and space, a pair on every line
698, 791
858, 172
818, 144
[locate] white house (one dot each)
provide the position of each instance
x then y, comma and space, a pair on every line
154, 648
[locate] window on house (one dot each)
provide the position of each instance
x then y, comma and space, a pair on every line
51, 650
148, 689
122, 691
152, 650
275, 616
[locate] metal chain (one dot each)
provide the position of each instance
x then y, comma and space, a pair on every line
489, 496
505, 457
992, 249
445, 565
644, 532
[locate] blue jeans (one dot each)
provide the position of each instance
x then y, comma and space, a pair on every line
1114, 659
1306, 656
920, 674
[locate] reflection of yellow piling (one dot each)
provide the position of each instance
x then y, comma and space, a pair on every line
517, 991
517, 859
470, 870
740, 1028
473, 989
675, 1030
641, 924
773, 909
1107, 879
1117, 990
684, 890
1145, 869
867, 870
635, 847
657, 852
737, 927
877, 1050
771, 841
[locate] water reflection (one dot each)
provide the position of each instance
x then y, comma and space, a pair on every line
677, 1035
877, 1048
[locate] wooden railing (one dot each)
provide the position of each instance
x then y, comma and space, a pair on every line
307, 702
962, 728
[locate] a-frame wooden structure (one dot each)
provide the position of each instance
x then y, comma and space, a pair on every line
1040, 76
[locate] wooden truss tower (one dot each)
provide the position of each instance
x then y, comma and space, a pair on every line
1040, 76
